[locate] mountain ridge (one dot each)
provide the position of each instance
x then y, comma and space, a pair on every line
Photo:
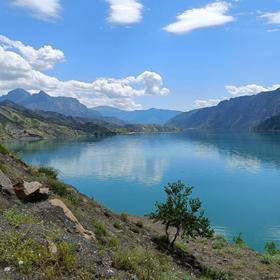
149, 116
241, 113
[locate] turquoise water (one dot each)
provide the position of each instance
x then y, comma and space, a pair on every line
237, 176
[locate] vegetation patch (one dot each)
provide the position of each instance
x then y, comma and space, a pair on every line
146, 264
49, 171
4, 150
27, 255
15, 217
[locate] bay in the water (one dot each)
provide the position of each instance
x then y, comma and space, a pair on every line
237, 176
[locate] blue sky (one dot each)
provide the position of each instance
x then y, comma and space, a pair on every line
177, 54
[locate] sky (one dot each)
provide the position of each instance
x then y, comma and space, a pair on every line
139, 54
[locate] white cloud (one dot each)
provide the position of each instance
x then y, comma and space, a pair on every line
22, 66
272, 18
42, 59
202, 103
249, 89
211, 15
125, 11
42, 9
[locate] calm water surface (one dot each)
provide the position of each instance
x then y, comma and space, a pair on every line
237, 176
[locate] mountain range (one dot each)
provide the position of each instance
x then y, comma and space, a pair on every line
243, 113
17, 122
67, 106
72, 107
150, 116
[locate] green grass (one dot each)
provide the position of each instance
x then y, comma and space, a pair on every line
145, 263
48, 171
219, 242
27, 255
124, 217
4, 150
99, 228
16, 218
117, 225
62, 190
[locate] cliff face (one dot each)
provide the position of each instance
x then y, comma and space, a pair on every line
66, 235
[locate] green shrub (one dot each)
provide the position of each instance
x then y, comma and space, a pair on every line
113, 242
219, 242
140, 224
117, 225
100, 229
63, 190
271, 248
239, 241
15, 217
124, 217
145, 263
270, 259
49, 171
4, 150
215, 273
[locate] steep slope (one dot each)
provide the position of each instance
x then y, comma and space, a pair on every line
151, 116
42, 101
241, 113
269, 125
67, 235
17, 122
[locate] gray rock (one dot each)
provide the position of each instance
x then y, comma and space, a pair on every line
25, 190
6, 184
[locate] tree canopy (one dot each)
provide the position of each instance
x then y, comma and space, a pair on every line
181, 212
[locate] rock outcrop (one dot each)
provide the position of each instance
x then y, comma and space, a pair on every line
68, 213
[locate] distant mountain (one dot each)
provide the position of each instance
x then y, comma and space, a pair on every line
17, 122
151, 116
271, 124
42, 101
240, 113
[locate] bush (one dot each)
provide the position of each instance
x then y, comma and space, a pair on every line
117, 225
219, 242
124, 217
140, 224
239, 241
63, 190
100, 229
4, 150
271, 248
49, 171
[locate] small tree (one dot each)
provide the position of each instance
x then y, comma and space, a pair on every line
182, 213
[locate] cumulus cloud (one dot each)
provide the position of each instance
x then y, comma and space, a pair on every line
125, 11
202, 103
22, 66
42, 9
211, 15
249, 89
43, 58
272, 18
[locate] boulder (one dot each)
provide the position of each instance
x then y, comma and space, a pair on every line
89, 235
34, 190
6, 184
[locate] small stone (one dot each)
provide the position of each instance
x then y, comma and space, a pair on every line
52, 248
7, 269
